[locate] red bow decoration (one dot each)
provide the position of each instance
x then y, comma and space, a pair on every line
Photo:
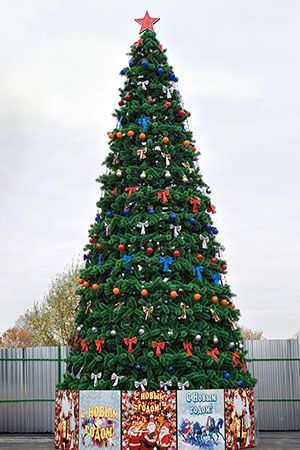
211, 209
188, 347
129, 342
84, 346
75, 341
159, 346
236, 358
114, 191
138, 43
214, 353
99, 343
244, 367
131, 190
195, 202
163, 195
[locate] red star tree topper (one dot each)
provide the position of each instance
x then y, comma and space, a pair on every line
147, 22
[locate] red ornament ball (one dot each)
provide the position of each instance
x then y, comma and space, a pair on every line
199, 256
92, 240
121, 247
121, 103
99, 246
213, 260
188, 113
224, 267
149, 250
168, 104
127, 97
181, 113
151, 101
176, 253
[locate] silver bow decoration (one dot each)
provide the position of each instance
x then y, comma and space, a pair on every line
220, 251
165, 385
143, 84
116, 378
141, 384
78, 373
96, 377
204, 240
143, 226
176, 228
107, 228
184, 385
168, 91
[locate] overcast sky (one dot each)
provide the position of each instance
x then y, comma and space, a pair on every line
239, 69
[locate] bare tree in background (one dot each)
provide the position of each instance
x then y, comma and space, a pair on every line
252, 335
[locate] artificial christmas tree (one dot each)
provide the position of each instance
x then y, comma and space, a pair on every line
154, 310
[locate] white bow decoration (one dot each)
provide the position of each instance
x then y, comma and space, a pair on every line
184, 385
78, 373
143, 226
116, 378
96, 377
168, 91
204, 240
107, 228
220, 251
143, 84
165, 385
176, 228
141, 384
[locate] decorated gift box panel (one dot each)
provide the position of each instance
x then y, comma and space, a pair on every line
239, 418
66, 419
99, 419
200, 419
148, 420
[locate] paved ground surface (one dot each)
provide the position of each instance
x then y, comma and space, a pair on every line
267, 441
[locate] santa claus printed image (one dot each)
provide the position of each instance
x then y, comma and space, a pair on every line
164, 437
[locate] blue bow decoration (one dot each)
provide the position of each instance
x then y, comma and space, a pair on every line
128, 258
100, 258
144, 122
216, 277
120, 123
87, 260
166, 261
198, 270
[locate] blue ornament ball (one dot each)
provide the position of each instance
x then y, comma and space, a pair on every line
172, 75
226, 376
151, 211
215, 231
109, 214
123, 72
97, 218
240, 383
170, 369
175, 79
192, 220
172, 216
125, 211
159, 71
137, 366
208, 226
131, 63
144, 63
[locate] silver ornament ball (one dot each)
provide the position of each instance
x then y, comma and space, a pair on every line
141, 331
241, 346
215, 340
231, 344
168, 174
94, 330
143, 176
113, 333
197, 338
185, 179
170, 333
119, 173
78, 328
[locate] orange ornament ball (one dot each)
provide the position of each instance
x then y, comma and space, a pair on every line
111, 135
119, 134
80, 280
116, 291
193, 148
142, 136
197, 297
173, 294
95, 287
130, 133
144, 292
86, 284
165, 140
214, 299
186, 143
224, 302
232, 305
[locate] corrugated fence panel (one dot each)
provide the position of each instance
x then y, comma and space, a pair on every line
276, 366
28, 378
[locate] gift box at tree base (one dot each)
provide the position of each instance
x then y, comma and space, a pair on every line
170, 420
155, 311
